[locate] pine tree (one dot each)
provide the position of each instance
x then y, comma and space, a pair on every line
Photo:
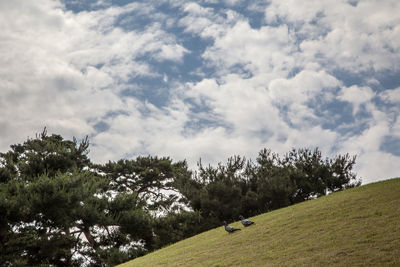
55, 209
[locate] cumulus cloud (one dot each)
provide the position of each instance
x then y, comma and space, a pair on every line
303, 87
65, 70
264, 50
391, 96
311, 74
315, 39
356, 38
203, 21
356, 96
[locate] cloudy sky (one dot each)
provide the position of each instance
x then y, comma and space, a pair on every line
205, 79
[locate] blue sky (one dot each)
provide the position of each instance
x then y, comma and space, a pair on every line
205, 79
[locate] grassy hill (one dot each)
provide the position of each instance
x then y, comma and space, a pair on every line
355, 227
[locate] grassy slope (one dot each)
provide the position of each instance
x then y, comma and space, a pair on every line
357, 227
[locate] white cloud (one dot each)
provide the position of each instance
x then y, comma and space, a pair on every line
370, 139
203, 21
196, 9
377, 165
264, 50
293, 11
311, 137
242, 103
391, 96
303, 87
356, 96
64, 70
356, 38
340, 35
323, 36
274, 86
172, 52
372, 163
145, 129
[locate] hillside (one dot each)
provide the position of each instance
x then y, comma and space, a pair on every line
357, 227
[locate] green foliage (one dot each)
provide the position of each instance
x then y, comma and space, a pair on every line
39, 216
150, 182
243, 187
45, 154
177, 226
149, 178
57, 208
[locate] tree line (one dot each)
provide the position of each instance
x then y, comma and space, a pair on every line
57, 208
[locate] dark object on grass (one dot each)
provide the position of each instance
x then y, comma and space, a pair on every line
245, 222
229, 229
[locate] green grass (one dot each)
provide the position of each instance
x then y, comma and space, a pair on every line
355, 227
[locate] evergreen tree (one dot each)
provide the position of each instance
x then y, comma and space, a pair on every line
59, 209
154, 181
243, 187
56, 210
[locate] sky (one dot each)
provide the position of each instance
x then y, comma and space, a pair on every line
205, 79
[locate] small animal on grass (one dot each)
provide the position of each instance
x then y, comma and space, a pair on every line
245, 222
229, 229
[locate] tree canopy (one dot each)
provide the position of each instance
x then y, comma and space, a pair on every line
271, 182
57, 208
